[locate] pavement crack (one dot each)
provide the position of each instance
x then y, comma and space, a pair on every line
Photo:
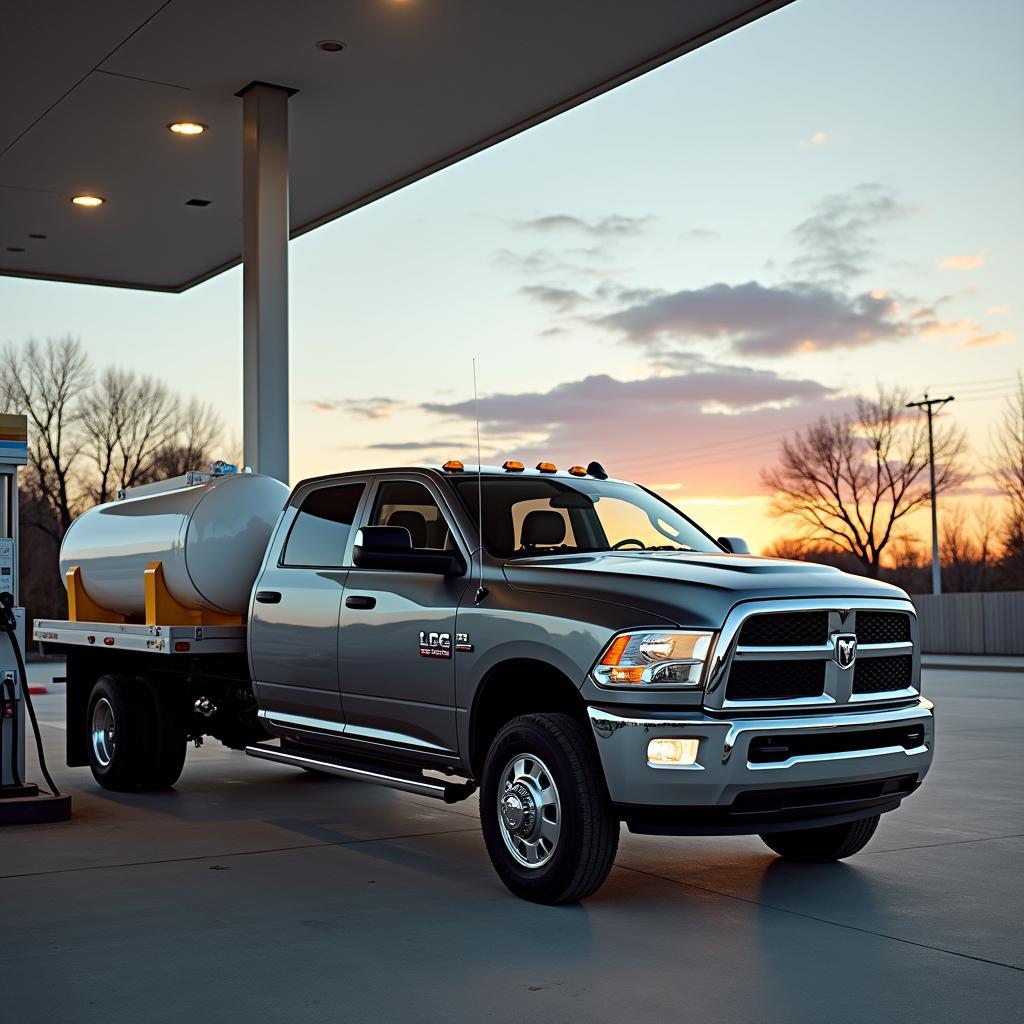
952, 842
238, 853
824, 920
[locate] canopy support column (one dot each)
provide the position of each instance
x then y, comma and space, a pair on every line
265, 229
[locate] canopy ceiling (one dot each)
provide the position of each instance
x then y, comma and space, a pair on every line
89, 90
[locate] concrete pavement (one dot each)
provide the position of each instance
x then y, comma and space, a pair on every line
257, 892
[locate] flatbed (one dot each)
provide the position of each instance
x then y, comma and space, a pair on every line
140, 638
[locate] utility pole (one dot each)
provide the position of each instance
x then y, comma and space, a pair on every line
930, 405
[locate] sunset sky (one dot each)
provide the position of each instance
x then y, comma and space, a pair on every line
669, 279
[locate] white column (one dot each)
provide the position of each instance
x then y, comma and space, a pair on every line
265, 278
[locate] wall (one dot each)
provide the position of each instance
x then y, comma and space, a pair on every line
988, 623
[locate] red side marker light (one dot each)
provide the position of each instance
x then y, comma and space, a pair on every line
91, 639
182, 646
109, 641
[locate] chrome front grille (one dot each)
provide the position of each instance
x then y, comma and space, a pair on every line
883, 628
784, 653
785, 629
776, 680
881, 675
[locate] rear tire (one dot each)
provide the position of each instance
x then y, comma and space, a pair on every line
547, 820
167, 758
822, 845
135, 740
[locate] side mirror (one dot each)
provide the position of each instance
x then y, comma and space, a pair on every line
390, 547
735, 545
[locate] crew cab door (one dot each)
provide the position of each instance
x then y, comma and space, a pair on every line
397, 637
293, 628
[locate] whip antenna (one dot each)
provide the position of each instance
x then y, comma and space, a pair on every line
481, 590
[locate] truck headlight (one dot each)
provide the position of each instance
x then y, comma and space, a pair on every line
657, 658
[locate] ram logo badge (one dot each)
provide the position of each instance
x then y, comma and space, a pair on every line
846, 649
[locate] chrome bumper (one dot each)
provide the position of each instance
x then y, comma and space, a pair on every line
723, 770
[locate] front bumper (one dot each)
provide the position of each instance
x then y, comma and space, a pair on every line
832, 767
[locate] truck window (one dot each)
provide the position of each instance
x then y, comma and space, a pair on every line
409, 504
320, 532
532, 515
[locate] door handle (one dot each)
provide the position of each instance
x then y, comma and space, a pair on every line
360, 601
268, 596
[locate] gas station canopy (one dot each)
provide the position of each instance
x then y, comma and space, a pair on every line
90, 90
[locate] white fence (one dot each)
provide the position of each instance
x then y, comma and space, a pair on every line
988, 623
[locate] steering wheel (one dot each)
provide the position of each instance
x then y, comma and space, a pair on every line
629, 540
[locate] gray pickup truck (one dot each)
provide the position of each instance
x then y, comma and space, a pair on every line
582, 652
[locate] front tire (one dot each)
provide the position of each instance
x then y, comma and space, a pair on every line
823, 845
547, 821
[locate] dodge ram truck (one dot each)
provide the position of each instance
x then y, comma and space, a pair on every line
572, 646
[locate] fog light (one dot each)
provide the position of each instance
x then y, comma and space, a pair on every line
672, 752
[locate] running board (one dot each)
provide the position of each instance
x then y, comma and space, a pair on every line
449, 792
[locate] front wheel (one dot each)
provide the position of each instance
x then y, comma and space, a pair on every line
547, 821
833, 842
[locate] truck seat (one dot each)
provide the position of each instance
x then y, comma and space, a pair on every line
543, 526
414, 522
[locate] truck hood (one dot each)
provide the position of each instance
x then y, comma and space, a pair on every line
689, 588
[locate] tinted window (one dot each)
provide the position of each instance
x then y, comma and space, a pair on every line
320, 531
410, 505
530, 515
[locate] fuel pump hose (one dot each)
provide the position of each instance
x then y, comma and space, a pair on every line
8, 625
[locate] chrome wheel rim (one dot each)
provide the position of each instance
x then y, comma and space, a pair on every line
529, 811
103, 732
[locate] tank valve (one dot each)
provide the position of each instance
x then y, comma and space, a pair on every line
205, 707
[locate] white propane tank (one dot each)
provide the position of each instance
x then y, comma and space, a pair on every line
210, 537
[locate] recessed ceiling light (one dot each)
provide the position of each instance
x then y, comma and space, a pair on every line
14, 248
187, 128
37, 236
330, 45
197, 202
87, 200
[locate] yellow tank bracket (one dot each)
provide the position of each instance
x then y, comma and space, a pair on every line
81, 607
162, 609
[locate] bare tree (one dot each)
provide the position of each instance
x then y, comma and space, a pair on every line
966, 547
850, 481
1006, 466
47, 381
198, 430
127, 421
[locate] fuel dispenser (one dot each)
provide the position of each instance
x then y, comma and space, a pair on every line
20, 801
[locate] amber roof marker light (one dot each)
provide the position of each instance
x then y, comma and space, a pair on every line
186, 128
88, 200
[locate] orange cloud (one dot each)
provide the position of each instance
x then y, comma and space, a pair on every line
997, 338
819, 138
944, 328
970, 261
999, 309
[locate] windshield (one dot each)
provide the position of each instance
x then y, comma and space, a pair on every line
529, 516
